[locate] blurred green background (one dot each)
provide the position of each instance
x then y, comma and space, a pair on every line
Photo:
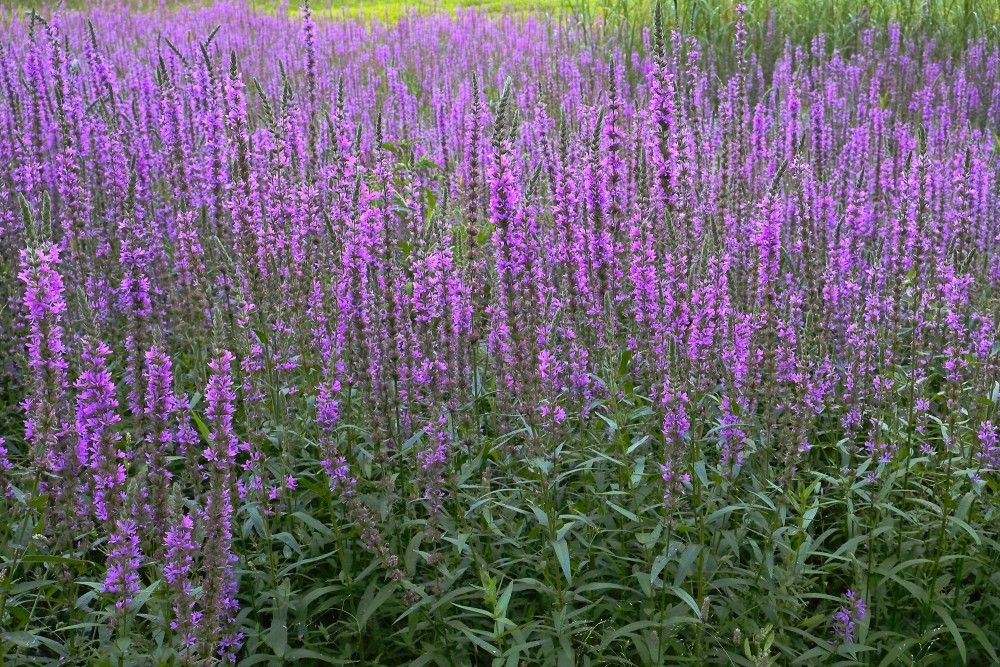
951, 22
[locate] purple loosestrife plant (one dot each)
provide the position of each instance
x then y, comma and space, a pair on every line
179, 551
161, 441
97, 428
124, 560
45, 305
846, 619
218, 603
56, 455
333, 463
5, 466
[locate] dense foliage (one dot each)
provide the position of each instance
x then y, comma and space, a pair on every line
474, 340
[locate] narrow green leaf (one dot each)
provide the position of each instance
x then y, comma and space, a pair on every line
142, 596
687, 599
474, 610
504, 601
624, 512
478, 641
953, 629
370, 606
562, 555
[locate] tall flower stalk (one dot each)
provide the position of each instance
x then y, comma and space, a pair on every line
218, 603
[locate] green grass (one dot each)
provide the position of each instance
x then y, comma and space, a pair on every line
800, 19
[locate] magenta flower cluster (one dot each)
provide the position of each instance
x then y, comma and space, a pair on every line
847, 618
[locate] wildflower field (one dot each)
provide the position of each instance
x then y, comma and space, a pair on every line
518, 338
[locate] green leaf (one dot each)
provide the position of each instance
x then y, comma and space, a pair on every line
953, 629
30, 640
313, 523
25, 586
370, 603
478, 641
612, 424
808, 516
142, 596
562, 555
967, 528
624, 512
513, 654
659, 563
254, 522
701, 473
22, 638
43, 558
202, 428
691, 552
501, 606
277, 635
313, 595
305, 653
485, 233
687, 599
602, 586
981, 637
561, 533
897, 650
638, 443
636, 477
644, 584
474, 610
629, 629
289, 540
913, 589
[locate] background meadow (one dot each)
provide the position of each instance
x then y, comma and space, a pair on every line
586, 335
